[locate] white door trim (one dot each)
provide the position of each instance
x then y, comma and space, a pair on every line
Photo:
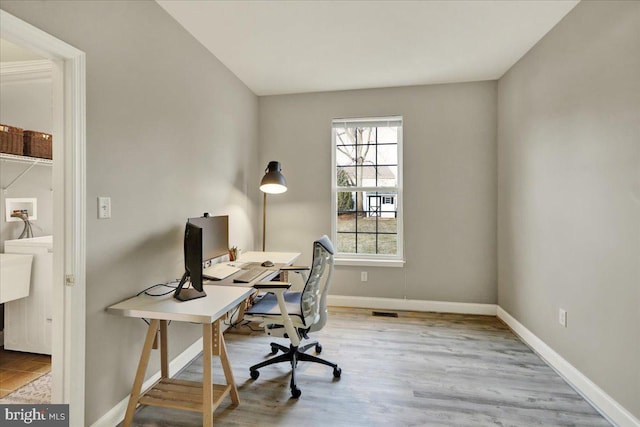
69, 170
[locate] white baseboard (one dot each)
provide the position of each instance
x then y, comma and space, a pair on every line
411, 305
116, 414
609, 408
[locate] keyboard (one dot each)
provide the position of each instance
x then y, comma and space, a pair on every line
219, 271
250, 275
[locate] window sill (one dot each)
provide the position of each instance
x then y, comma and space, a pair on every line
357, 262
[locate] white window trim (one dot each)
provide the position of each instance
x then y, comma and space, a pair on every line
374, 260
344, 260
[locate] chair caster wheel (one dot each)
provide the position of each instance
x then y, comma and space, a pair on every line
318, 349
256, 374
274, 349
295, 392
337, 372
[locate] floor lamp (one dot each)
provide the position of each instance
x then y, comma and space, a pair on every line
273, 182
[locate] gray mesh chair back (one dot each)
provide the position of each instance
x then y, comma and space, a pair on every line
314, 295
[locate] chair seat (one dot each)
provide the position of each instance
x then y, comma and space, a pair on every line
268, 306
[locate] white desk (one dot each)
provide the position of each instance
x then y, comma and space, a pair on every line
202, 397
219, 300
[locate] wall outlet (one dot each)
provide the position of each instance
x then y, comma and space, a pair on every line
364, 276
562, 317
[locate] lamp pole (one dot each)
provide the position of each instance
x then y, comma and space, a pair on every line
264, 221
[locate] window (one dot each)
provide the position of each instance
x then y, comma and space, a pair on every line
367, 189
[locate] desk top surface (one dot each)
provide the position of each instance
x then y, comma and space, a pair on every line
222, 296
219, 300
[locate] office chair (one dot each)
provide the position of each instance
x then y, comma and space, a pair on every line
293, 314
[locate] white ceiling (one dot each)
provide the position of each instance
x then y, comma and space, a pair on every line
279, 47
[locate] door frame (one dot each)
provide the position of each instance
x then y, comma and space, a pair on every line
69, 209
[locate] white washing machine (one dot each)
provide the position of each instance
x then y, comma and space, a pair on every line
28, 321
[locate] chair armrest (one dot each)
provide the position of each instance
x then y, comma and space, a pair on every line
295, 268
272, 285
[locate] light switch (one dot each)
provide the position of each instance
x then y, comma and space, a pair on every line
104, 207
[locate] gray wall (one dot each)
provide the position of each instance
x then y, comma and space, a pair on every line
449, 185
171, 133
568, 205
569, 193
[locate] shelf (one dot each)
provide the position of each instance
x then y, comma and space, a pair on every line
31, 161
25, 159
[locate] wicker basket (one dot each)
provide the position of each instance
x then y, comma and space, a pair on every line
37, 144
11, 140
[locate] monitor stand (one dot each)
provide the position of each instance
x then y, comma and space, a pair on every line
186, 294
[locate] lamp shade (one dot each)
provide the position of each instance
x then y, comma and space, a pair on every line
273, 181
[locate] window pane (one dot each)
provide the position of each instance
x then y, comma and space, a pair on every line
344, 157
367, 224
367, 154
346, 222
367, 244
366, 135
346, 176
366, 176
388, 244
387, 135
345, 136
387, 176
388, 154
346, 202
346, 243
387, 225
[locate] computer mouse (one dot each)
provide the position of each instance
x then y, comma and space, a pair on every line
267, 264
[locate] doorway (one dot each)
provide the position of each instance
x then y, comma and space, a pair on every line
68, 183
26, 203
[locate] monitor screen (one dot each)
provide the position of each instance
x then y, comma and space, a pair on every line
215, 235
192, 265
193, 254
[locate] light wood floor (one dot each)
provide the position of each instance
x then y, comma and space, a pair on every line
420, 369
18, 369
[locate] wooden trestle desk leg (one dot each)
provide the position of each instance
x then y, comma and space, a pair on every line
213, 344
241, 310
164, 346
207, 377
220, 349
142, 368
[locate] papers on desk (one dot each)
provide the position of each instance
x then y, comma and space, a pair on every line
219, 271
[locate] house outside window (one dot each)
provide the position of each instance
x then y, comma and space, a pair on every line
367, 190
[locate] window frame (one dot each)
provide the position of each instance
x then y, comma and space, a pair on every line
355, 259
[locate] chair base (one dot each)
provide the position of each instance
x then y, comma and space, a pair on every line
292, 355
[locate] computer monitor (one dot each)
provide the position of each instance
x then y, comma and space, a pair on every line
205, 238
192, 265
215, 235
